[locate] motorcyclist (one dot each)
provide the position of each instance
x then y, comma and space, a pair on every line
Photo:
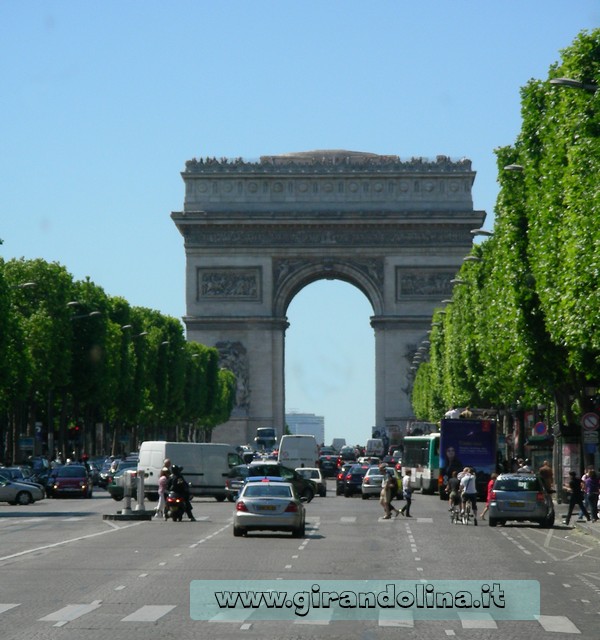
178, 484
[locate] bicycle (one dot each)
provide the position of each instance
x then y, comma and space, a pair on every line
455, 514
467, 513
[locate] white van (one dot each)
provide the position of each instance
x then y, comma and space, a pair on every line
205, 465
374, 447
298, 451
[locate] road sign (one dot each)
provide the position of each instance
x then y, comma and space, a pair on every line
590, 421
540, 429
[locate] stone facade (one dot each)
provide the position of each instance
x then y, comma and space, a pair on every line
256, 233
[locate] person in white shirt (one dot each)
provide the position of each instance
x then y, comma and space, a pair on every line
468, 491
407, 491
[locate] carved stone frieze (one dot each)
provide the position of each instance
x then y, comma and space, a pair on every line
426, 282
229, 283
234, 356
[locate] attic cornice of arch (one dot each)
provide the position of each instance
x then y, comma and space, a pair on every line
326, 162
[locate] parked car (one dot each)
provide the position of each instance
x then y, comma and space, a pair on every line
268, 504
22, 475
353, 479
341, 476
21, 493
70, 480
520, 497
316, 476
116, 485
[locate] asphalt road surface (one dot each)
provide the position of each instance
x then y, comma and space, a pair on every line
67, 573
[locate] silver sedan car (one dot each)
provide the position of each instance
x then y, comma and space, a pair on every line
268, 504
19, 492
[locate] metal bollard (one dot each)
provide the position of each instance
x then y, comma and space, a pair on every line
127, 493
140, 493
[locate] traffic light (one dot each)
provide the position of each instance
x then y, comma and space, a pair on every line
75, 433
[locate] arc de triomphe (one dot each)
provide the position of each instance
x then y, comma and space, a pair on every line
256, 233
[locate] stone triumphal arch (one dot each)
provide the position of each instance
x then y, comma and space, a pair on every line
256, 233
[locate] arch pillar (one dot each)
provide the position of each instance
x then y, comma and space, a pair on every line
396, 340
253, 348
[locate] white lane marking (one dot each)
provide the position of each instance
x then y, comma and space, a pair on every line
58, 544
70, 612
395, 618
7, 607
120, 587
74, 519
246, 626
149, 613
482, 621
557, 624
450, 632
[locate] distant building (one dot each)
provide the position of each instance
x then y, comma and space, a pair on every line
306, 424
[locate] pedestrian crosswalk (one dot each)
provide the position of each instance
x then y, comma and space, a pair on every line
399, 619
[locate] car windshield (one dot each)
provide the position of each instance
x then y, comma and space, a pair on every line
267, 491
71, 472
517, 484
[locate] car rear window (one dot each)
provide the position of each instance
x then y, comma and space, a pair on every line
517, 484
267, 491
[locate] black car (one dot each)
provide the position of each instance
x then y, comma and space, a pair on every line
353, 479
340, 477
238, 474
328, 465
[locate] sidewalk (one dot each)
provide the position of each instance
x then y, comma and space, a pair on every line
590, 528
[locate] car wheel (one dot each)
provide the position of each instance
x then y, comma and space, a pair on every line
348, 493
547, 522
299, 532
309, 494
220, 498
23, 498
238, 532
493, 522
323, 493
365, 496
117, 498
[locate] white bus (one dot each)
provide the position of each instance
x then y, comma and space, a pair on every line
421, 455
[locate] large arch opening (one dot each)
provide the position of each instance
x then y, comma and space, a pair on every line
327, 372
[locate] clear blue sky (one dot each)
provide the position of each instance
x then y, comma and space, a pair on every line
103, 102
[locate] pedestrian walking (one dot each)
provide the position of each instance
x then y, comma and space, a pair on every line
575, 497
547, 476
591, 487
388, 485
407, 491
490, 488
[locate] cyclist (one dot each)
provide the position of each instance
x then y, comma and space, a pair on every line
453, 491
468, 491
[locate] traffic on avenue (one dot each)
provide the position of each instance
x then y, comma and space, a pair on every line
71, 571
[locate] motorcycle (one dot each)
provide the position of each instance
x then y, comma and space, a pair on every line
175, 507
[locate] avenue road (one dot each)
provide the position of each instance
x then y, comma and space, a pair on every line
66, 573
